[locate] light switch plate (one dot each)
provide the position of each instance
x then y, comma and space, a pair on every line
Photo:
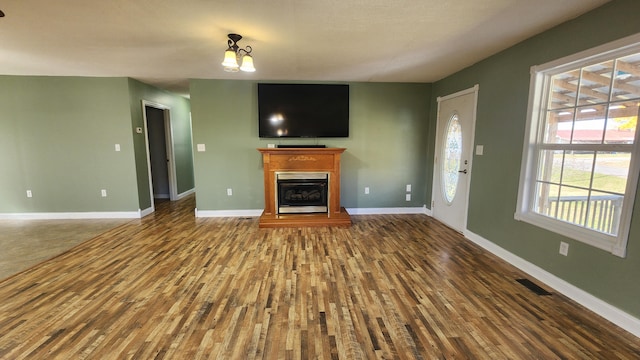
201, 147
479, 149
408, 187
117, 147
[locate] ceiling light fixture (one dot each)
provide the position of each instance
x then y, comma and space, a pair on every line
234, 52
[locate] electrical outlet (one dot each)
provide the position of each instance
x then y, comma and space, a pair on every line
103, 192
408, 187
229, 192
408, 197
29, 193
366, 190
564, 248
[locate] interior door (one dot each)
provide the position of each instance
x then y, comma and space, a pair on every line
159, 157
452, 172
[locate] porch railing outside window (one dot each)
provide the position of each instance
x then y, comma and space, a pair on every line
600, 213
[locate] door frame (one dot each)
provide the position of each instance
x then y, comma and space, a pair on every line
166, 111
439, 124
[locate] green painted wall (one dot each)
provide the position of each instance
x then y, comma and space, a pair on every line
179, 108
385, 151
500, 126
58, 138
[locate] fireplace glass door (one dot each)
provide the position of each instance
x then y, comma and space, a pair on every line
302, 193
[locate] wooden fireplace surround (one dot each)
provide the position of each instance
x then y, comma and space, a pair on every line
278, 160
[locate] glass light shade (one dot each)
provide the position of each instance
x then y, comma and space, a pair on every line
247, 64
230, 63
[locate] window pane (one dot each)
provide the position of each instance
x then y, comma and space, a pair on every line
546, 198
626, 84
589, 125
595, 83
611, 172
622, 122
604, 212
577, 168
559, 126
451, 159
573, 205
563, 89
550, 166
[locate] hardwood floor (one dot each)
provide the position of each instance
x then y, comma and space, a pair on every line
393, 286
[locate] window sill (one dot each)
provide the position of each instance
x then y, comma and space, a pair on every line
596, 239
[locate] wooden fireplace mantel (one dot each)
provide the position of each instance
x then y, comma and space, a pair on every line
277, 160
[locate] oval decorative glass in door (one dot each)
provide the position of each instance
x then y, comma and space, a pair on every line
451, 158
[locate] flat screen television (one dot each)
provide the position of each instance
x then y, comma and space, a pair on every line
303, 110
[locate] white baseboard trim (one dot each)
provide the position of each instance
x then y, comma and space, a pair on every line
146, 211
185, 194
351, 211
161, 196
228, 213
386, 210
72, 215
602, 308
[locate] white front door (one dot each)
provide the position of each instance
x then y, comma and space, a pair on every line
452, 165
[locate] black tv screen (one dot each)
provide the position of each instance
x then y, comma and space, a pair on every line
303, 110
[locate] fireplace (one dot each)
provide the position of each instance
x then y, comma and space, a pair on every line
302, 192
302, 187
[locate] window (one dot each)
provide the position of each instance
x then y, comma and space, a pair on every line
451, 159
580, 164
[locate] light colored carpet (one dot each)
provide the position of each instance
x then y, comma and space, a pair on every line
25, 243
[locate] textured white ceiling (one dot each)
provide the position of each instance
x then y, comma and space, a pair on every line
166, 42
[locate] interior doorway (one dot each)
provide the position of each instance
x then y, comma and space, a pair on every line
160, 158
452, 165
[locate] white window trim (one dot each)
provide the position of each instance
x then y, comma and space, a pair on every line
540, 76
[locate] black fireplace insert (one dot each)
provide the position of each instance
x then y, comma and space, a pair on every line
302, 193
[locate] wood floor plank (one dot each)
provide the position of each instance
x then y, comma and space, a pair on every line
388, 287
